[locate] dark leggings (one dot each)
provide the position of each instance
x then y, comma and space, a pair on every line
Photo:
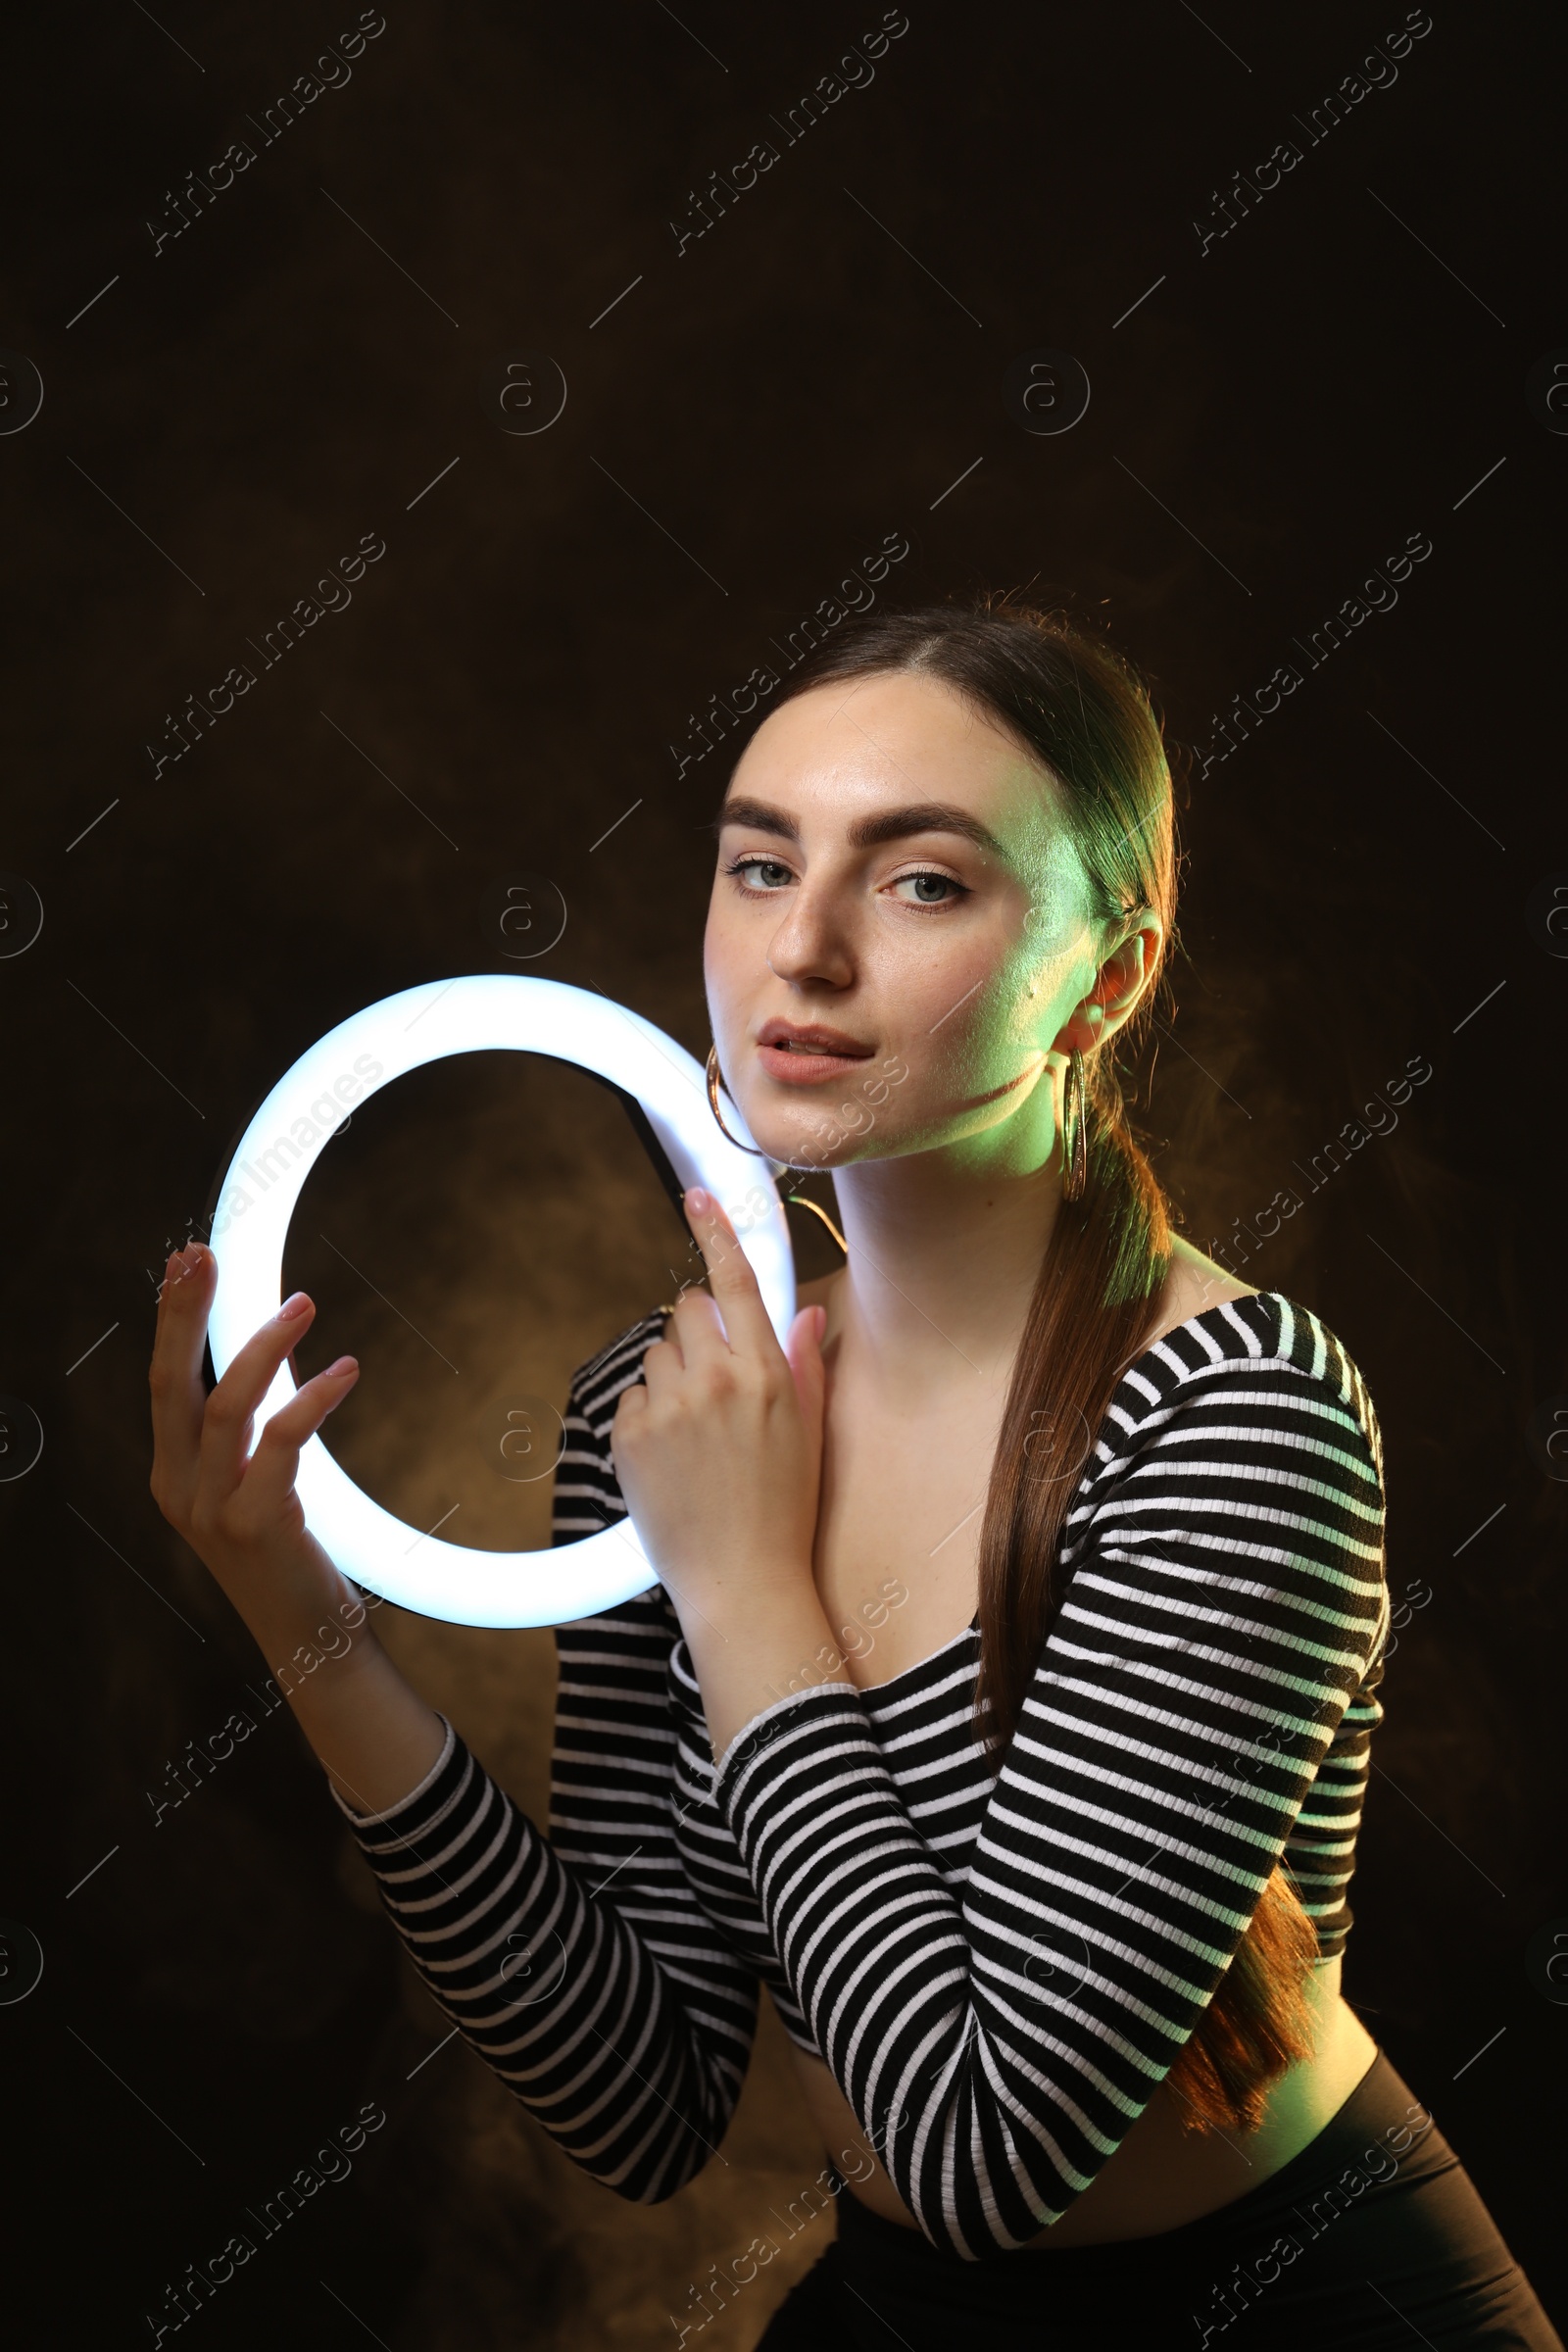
1373, 2235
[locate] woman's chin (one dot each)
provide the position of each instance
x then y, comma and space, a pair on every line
804, 1154
801, 1154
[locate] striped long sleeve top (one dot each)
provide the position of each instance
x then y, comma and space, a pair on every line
998, 1969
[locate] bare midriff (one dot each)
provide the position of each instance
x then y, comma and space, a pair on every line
1161, 2176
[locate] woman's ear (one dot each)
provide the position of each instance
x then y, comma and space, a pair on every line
1118, 986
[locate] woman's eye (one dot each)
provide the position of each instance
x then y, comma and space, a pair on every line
930, 889
754, 870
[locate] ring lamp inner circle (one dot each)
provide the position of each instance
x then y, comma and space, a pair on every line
479, 1013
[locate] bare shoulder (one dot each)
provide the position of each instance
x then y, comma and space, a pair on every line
1195, 1283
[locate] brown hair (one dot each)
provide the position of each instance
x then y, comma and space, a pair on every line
1081, 711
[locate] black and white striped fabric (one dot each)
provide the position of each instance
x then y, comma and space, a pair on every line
998, 1971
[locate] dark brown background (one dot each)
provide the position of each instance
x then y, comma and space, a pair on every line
741, 428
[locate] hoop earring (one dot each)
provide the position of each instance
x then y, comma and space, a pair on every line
1074, 1130
713, 1104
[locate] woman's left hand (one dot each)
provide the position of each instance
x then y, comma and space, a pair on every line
719, 1454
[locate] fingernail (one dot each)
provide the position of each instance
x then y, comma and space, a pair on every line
293, 1306
698, 1201
345, 1363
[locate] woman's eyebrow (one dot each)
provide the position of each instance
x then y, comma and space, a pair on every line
867, 832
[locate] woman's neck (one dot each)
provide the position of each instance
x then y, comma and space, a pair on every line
941, 1268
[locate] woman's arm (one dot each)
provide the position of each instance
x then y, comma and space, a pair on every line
581, 1968
548, 1969
629, 2051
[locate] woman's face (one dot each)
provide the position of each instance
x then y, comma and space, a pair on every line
901, 935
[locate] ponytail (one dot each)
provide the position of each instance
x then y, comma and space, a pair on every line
1085, 716
1094, 1300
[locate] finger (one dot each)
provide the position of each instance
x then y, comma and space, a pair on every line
699, 1328
175, 1375
662, 1361
804, 1349
748, 1326
232, 1406
272, 1470
630, 1408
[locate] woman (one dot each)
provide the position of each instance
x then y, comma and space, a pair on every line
1003, 1703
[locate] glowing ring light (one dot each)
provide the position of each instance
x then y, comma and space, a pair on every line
266, 1174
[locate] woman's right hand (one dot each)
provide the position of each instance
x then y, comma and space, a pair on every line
236, 1507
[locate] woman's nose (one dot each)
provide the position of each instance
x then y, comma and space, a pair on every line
810, 943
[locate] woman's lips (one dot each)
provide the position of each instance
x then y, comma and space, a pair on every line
810, 1057
800, 1065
